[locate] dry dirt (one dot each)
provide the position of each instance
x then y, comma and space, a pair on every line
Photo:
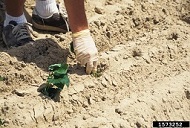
145, 49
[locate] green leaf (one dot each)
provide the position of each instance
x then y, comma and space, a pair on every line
2, 78
60, 82
54, 67
58, 66
1, 121
67, 81
60, 71
96, 74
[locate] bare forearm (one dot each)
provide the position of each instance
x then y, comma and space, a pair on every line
77, 16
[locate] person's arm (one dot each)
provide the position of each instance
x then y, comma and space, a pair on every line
76, 14
84, 46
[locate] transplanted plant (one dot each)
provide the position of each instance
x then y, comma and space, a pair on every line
58, 75
1, 122
56, 80
2, 78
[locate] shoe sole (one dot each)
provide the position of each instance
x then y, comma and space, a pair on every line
47, 28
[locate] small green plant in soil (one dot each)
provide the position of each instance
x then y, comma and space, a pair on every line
56, 80
1, 122
100, 70
97, 73
2, 78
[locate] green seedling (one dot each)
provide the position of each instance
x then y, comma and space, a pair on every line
1, 122
58, 75
56, 80
96, 74
100, 70
2, 78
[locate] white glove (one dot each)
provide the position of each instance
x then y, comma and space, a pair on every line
85, 50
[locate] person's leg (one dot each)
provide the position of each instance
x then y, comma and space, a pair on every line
14, 8
14, 11
16, 31
46, 16
46, 8
76, 14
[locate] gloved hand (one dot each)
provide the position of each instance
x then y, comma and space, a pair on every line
85, 50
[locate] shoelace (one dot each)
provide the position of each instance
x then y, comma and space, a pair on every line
21, 31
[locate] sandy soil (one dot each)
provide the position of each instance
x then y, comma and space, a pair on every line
145, 51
